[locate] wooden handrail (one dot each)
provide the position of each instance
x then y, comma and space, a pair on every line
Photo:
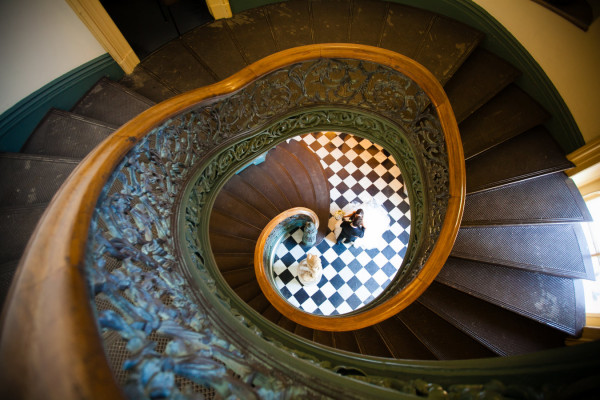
50, 346
263, 272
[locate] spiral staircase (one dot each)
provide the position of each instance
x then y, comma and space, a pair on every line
512, 284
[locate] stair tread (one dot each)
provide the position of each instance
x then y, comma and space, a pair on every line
178, 67
221, 243
228, 261
282, 179
446, 46
532, 153
20, 222
224, 223
259, 303
508, 114
323, 337
405, 28
548, 299
319, 182
7, 273
237, 277
246, 192
272, 314
481, 76
148, 85
556, 249
216, 47
31, 179
345, 341
479, 319
402, 342
556, 200
331, 21
252, 33
363, 17
111, 102
266, 185
227, 203
297, 174
371, 343
248, 290
303, 331
64, 134
444, 340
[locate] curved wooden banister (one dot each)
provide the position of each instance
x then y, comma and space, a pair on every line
50, 346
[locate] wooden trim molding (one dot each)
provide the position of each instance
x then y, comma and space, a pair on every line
95, 17
219, 9
586, 173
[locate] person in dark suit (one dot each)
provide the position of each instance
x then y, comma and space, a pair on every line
352, 227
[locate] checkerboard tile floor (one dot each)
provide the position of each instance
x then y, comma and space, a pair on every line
359, 171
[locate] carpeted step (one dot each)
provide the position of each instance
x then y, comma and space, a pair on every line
64, 134
252, 34
148, 85
346, 341
438, 43
111, 103
232, 261
481, 77
367, 21
221, 243
551, 300
17, 225
371, 343
228, 204
246, 192
272, 314
442, 339
557, 200
303, 331
319, 181
7, 273
260, 303
286, 324
265, 185
178, 67
401, 341
278, 175
237, 277
31, 179
556, 249
298, 174
226, 223
216, 47
324, 337
331, 21
503, 332
248, 290
508, 114
530, 154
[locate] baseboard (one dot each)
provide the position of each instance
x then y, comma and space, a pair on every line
18, 122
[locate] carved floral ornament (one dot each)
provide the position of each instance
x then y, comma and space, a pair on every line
149, 262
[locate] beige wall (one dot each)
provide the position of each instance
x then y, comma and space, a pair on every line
40, 40
570, 56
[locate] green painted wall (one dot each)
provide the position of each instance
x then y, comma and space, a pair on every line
19, 121
501, 42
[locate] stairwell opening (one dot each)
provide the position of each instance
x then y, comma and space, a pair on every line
333, 174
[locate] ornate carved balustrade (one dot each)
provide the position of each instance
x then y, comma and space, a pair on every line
123, 249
